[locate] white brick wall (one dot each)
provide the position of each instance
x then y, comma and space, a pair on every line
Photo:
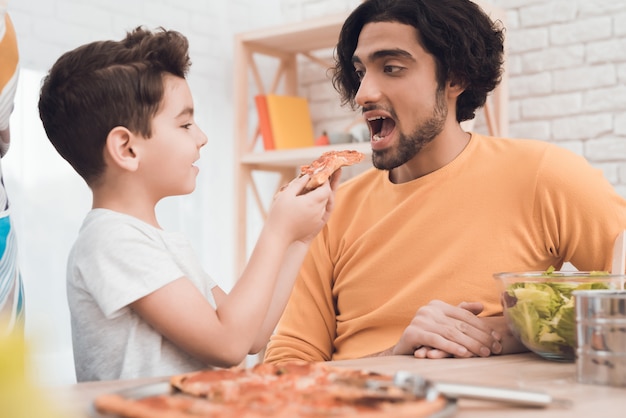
569, 87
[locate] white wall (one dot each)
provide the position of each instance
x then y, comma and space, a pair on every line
567, 66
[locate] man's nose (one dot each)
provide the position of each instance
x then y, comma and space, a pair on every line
368, 92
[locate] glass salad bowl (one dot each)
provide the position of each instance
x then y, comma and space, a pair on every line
539, 307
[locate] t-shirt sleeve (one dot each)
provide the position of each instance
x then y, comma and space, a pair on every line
578, 209
122, 264
311, 303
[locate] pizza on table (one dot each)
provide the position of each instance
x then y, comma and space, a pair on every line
294, 389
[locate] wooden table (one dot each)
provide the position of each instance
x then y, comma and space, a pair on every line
522, 371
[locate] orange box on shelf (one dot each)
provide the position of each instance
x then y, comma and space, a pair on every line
284, 121
264, 122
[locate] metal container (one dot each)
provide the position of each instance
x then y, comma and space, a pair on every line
601, 336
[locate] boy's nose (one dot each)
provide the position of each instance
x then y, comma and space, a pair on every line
202, 138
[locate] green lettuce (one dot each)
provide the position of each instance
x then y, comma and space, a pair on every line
543, 315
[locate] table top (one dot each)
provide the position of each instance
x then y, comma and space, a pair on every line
520, 371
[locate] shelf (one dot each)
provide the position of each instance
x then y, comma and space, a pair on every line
285, 44
298, 156
293, 38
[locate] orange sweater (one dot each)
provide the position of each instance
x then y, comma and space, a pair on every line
388, 249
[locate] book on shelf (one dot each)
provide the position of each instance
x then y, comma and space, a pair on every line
284, 121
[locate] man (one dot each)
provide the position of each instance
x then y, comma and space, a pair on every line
406, 264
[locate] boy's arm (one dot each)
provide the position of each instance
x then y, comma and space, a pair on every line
224, 336
288, 274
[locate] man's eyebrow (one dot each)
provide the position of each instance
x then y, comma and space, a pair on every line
386, 53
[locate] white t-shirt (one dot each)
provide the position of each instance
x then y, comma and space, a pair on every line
116, 260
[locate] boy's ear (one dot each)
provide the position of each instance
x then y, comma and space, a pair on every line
119, 147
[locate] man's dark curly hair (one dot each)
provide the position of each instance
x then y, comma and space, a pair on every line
466, 44
104, 84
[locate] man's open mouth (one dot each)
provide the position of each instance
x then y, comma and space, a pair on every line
380, 127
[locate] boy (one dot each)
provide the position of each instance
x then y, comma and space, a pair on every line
121, 113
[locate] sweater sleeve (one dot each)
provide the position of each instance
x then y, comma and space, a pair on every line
307, 328
577, 210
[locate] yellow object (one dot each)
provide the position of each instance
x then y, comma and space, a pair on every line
290, 121
19, 397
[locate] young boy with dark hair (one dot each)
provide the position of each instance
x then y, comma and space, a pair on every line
121, 113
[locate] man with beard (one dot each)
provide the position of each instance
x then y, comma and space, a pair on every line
406, 264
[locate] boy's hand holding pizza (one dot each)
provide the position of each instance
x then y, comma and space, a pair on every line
299, 216
314, 187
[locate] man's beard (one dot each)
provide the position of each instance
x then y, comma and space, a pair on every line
410, 145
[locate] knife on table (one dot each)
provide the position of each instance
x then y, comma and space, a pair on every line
415, 385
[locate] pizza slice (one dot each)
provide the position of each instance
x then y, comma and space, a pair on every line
321, 169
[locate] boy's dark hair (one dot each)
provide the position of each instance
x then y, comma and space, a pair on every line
466, 44
101, 85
